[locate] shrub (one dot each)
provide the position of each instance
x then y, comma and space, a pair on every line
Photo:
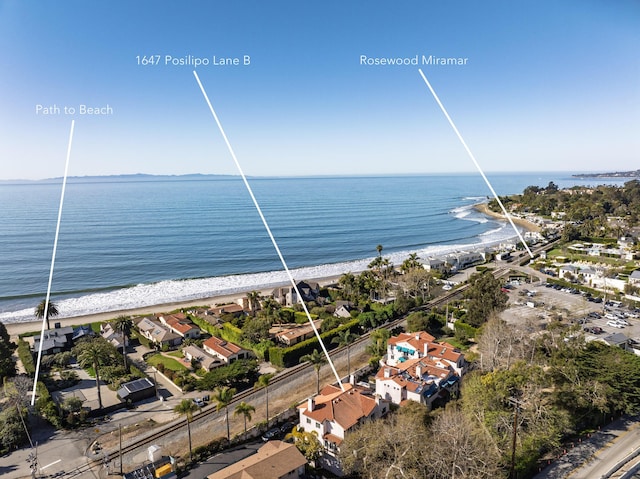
24, 353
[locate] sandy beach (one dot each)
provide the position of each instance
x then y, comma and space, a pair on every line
528, 225
16, 329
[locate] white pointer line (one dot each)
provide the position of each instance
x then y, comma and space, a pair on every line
486, 180
53, 260
266, 225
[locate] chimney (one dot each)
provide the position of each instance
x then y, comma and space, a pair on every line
387, 373
311, 403
352, 379
418, 371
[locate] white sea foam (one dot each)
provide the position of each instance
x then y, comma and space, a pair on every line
144, 295
468, 213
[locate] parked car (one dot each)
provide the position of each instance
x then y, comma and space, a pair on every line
614, 324
270, 434
622, 321
199, 402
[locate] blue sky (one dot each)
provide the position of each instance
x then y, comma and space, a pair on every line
548, 85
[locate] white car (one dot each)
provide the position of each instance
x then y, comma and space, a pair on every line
622, 321
611, 316
614, 324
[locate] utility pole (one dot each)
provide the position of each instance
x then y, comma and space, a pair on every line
516, 408
120, 447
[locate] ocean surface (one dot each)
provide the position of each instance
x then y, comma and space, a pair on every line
127, 242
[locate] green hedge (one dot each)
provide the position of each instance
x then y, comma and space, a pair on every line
24, 353
205, 325
287, 357
231, 333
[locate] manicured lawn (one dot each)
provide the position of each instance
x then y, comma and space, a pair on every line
169, 363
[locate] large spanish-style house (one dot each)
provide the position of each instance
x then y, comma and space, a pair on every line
286, 295
419, 368
333, 413
181, 325
158, 334
274, 460
422, 380
421, 344
225, 351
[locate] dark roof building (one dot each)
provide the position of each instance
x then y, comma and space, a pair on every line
137, 390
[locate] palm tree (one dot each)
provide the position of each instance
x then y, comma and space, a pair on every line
245, 409
187, 407
379, 250
223, 396
411, 263
345, 338
124, 325
263, 382
254, 298
52, 311
94, 353
317, 359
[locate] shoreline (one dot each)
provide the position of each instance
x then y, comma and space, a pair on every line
526, 224
18, 328
22, 327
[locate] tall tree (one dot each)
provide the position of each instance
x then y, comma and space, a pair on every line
187, 407
124, 325
345, 338
317, 359
94, 353
244, 409
254, 298
52, 311
411, 263
223, 396
263, 382
485, 297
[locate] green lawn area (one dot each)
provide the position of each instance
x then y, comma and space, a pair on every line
176, 354
169, 363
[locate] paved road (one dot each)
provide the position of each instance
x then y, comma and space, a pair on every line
597, 455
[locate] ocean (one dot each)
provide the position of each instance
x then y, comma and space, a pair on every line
132, 242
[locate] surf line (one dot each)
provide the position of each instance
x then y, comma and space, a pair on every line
45, 316
475, 162
266, 225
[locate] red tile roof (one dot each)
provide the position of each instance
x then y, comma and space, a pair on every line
345, 408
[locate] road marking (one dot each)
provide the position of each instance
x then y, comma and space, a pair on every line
49, 465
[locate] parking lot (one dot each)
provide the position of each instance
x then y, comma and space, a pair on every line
535, 304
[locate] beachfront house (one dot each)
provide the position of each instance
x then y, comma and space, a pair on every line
158, 334
54, 341
180, 325
225, 351
287, 296
333, 413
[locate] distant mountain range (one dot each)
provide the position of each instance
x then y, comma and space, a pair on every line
617, 174
123, 178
